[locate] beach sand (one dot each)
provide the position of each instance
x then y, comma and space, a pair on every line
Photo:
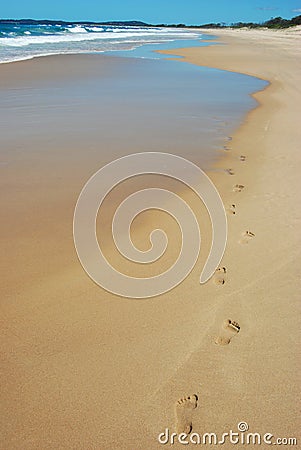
84, 369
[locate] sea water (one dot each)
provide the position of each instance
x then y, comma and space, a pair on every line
116, 105
20, 41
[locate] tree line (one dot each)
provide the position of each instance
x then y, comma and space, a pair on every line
274, 22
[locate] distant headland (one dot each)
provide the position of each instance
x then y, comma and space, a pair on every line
274, 23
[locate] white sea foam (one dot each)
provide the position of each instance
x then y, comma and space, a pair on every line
22, 41
83, 39
94, 29
77, 30
79, 33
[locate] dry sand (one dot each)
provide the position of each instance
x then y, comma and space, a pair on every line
83, 369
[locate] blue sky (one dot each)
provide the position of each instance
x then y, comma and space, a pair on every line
152, 11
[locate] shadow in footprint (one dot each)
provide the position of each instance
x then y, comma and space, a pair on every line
229, 330
238, 187
246, 237
220, 276
230, 171
184, 413
232, 209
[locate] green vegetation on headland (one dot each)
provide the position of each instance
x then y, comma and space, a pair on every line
131, 23
274, 23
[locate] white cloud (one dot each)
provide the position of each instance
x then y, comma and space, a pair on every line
297, 10
267, 8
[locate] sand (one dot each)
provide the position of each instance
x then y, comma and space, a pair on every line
84, 369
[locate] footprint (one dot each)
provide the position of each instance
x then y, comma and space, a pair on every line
220, 276
238, 187
184, 412
242, 157
229, 330
230, 171
246, 237
232, 209
226, 148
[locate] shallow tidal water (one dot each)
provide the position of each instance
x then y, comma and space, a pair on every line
114, 106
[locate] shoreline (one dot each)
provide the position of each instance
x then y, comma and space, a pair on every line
81, 359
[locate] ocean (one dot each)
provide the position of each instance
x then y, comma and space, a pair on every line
19, 41
118, 96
